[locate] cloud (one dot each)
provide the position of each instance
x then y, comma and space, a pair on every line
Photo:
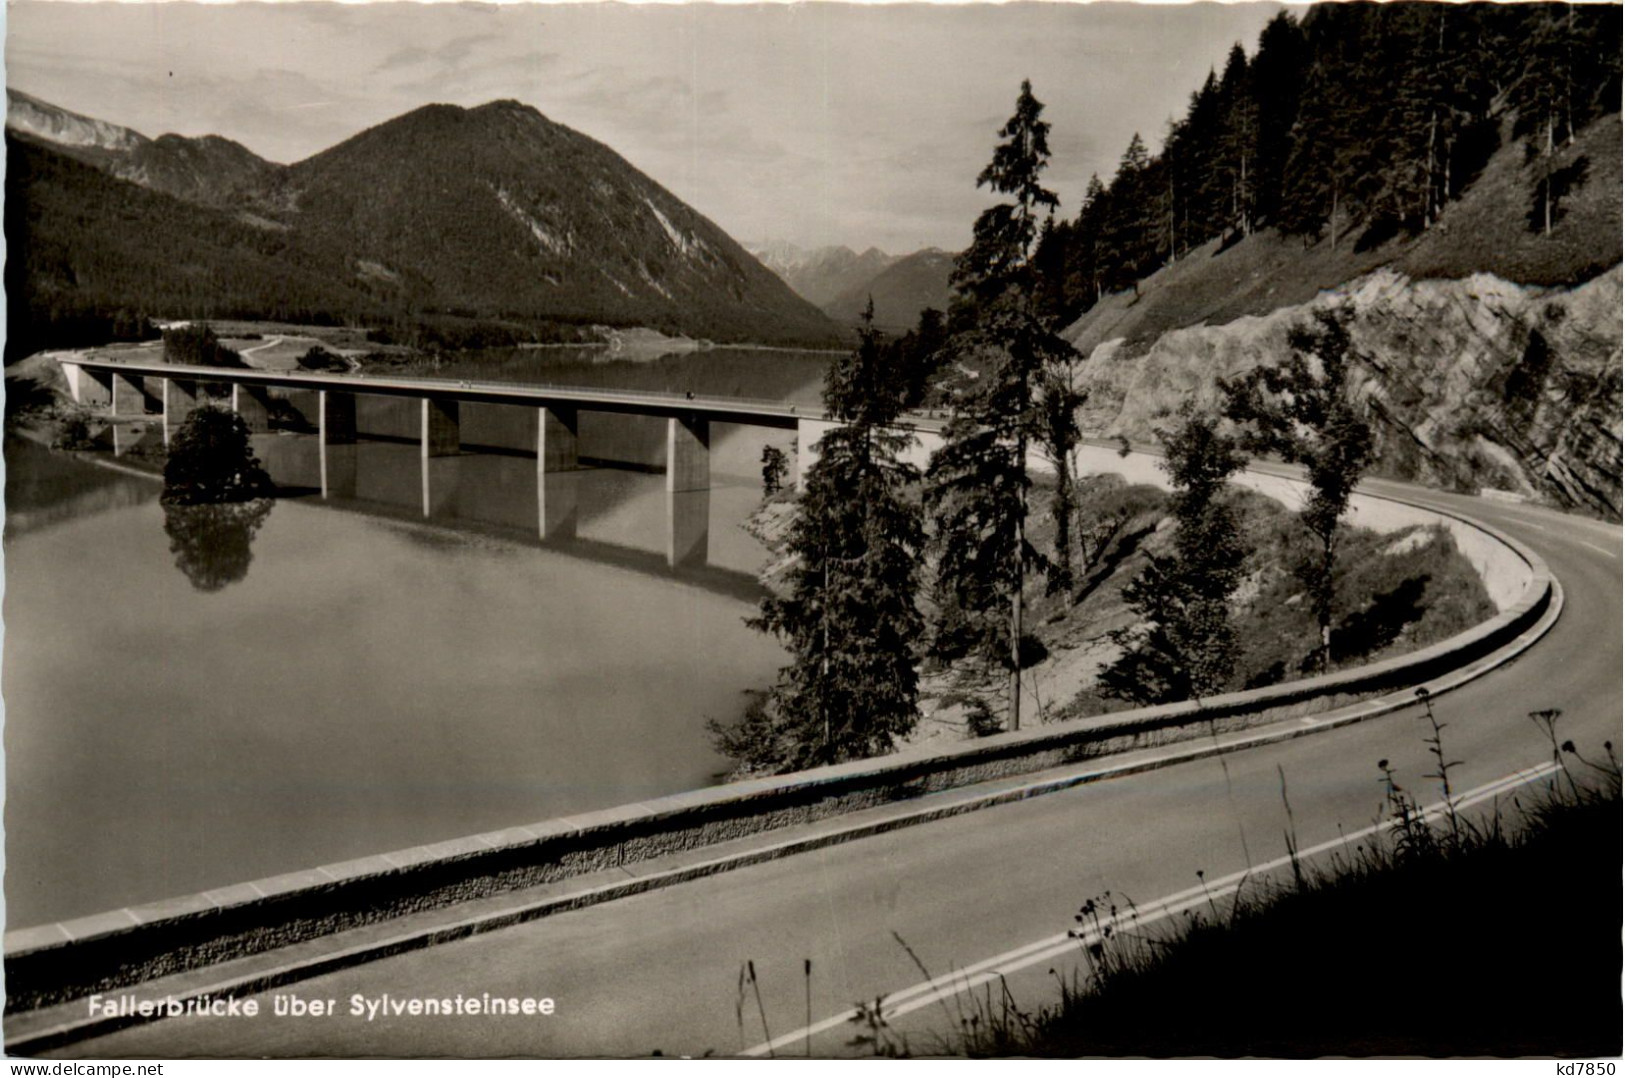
512, 76
411, 56
445, 58
816, 123
458, 49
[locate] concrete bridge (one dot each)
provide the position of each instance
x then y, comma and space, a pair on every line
135, 388
126, 388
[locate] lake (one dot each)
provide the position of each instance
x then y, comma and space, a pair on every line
194, 701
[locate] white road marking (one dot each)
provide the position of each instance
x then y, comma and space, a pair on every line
949, 985
1598, 549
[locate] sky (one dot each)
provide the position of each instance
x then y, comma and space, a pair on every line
815, 123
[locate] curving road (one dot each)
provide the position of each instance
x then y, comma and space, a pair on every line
661, 971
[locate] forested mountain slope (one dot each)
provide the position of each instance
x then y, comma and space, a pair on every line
445, 225
1447, 175
1506, 377
900, 291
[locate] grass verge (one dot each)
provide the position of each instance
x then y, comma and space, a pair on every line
1449, 938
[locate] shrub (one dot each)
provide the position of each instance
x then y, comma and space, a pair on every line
211, 460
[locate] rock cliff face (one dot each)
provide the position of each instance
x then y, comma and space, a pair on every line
1470, 384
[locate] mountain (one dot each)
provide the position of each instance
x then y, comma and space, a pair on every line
443, 217
211, 170
89, 254
900, 291
821, 274
499, 211
30, 116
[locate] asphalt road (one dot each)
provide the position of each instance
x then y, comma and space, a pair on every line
662, 971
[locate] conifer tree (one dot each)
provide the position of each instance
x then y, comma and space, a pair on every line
1277, 82
977, 484
849, 618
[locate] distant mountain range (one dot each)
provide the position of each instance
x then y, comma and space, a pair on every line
900, 291
459, 224
841, 281
211, 170
823, 273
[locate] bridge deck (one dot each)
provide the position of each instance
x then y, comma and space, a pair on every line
762, 413
745, 410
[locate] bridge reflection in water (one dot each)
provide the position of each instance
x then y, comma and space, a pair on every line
465, 434
601, 507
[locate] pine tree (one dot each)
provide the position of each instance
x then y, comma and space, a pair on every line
849, 618
1238, 141
1319, 165
775, 466
977, 484
1302, 410
1184, 645
1131, 232
1085, 267
1277, 84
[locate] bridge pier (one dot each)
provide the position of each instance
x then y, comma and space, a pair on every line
93, 389
180, 401
557, 501
335, 417
252, 407
127, 436
439, 485
338, 464
129, 394
688, 454
556, 438
688, 528
441, 431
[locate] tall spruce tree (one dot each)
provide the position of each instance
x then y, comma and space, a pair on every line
850, 618
977, 484
1184, 644
1303, 411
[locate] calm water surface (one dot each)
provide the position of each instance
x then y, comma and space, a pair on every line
196, 701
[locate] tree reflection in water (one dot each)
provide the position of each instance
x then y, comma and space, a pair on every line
211, 543
216, 496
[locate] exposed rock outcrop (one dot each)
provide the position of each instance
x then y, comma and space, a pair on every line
1473, 383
